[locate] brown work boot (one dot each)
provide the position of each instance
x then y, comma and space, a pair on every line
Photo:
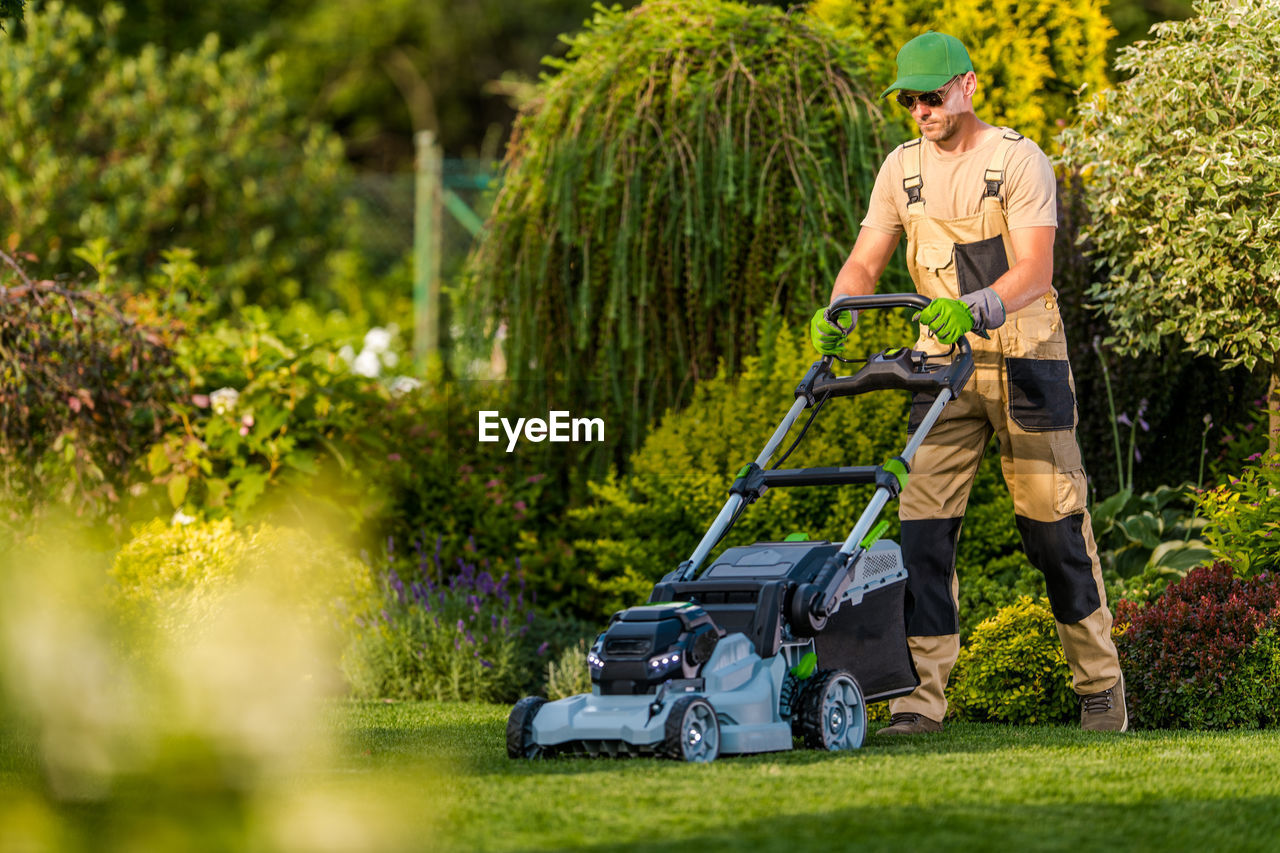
907, 723
1105, 711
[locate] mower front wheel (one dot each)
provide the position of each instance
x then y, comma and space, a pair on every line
520, 742
692, 732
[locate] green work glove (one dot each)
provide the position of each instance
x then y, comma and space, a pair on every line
827, 339
949, 319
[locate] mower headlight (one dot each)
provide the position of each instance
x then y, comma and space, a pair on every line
594, 661
664, 663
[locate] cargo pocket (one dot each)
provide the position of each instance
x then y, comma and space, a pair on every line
980, 264
1069, 484
935, 257
1040, 395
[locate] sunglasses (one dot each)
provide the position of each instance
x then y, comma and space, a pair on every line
929, 99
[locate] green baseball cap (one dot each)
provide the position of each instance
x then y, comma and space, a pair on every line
928, 62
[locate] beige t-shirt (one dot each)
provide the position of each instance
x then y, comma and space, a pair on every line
954, 184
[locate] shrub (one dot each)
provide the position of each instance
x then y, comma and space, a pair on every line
1182, 207
88, 381
691, 162
1030, 58
176, 577
1012, 669
198, 149
567, 673
275, 423
1205, 654
1244, 517
465, 637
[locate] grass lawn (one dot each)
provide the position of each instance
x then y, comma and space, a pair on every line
974, 787
432, 776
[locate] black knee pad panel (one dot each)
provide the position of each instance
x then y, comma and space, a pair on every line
1057, 549
929, 555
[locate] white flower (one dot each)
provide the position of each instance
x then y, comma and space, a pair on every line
180, 517
390, 359
378, 340
404, 384
224, 400
347, 354
366, 364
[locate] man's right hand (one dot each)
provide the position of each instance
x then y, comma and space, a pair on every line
827, 339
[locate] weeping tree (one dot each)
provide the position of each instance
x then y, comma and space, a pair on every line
691, 167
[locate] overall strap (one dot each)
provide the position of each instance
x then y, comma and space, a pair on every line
995, 171
911, 181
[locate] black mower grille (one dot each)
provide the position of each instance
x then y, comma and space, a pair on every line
636, 646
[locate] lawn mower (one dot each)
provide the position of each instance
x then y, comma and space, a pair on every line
774, 640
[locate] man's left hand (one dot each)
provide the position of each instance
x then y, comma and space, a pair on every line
949, 319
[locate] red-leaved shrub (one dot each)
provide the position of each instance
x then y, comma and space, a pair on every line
1206, 655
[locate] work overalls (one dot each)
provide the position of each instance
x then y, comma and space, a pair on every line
1023, 392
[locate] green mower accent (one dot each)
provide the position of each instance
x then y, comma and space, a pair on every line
876, 532
797, 537
807, 666
895, 467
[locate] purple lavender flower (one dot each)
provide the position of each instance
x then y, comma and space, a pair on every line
461, 626
1123, 420
484, 663
542, 649
493, 621
530, 617
393, 580
386, 617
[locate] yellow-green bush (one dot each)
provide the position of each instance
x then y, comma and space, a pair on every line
1012, 669
1030, 57
176, 578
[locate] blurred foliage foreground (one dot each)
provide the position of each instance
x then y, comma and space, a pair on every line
189, 726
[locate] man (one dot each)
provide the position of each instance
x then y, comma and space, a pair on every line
977, 204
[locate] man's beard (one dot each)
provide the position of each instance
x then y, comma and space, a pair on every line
942, 130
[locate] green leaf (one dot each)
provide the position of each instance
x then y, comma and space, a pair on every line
157, 460
178, 490
1180, 556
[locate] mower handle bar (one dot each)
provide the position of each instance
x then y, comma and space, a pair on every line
885, 300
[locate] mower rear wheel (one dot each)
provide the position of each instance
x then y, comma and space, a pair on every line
520, 742
832, 713
692, 732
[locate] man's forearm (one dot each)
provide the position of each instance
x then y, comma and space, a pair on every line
1024, 283
853, 280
